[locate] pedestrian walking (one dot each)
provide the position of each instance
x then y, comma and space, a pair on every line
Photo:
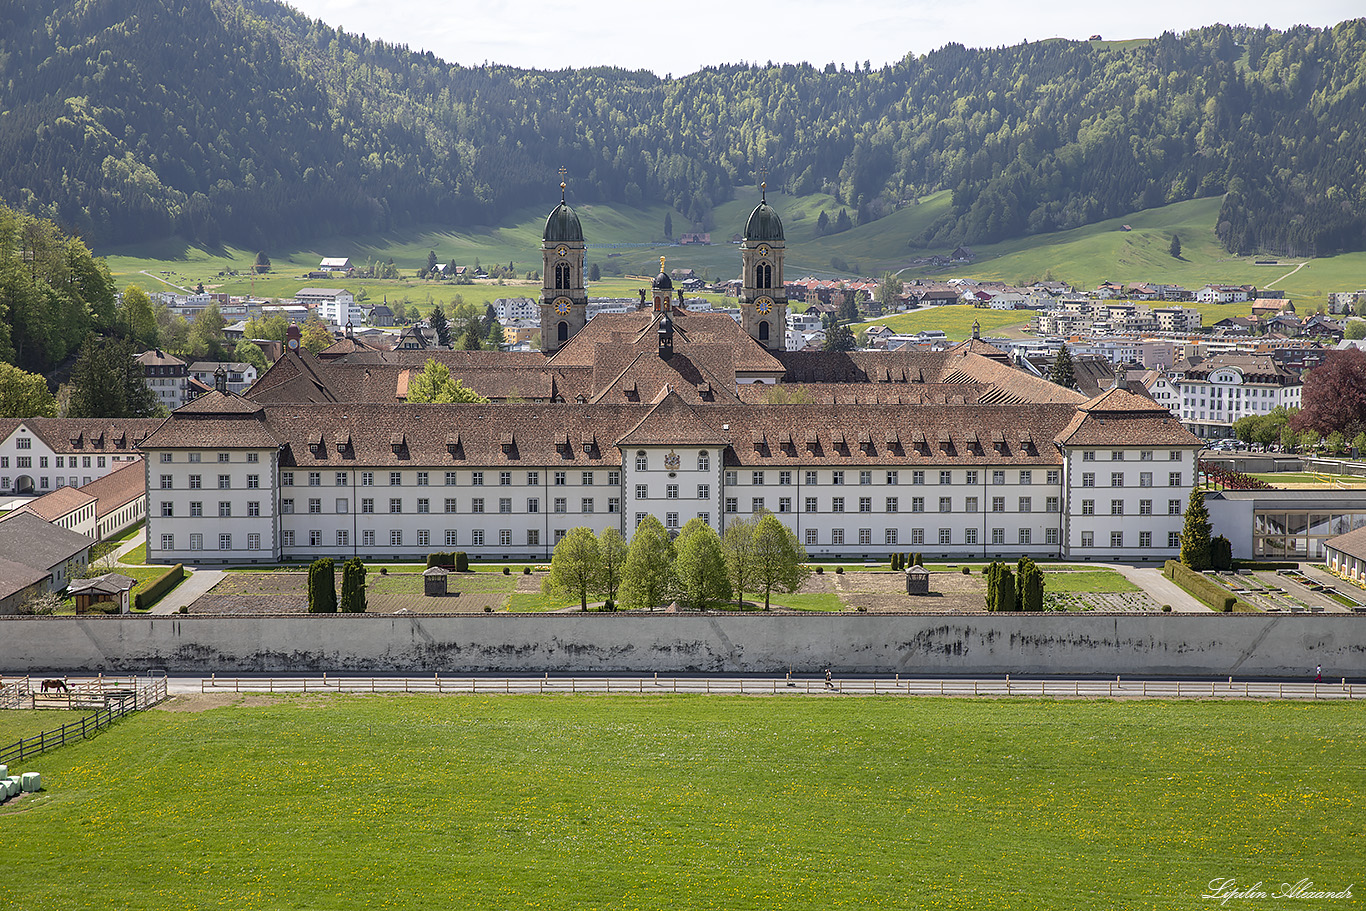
1318, 673
829, 685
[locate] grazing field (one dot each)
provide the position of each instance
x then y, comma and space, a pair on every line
689, 802
17, 724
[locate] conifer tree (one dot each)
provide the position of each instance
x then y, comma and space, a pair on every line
1063, 373
1195, 536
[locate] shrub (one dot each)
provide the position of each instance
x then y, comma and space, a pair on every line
526, 570
322, 587
609, 605
158, 587
919, 559
967, 570
1206, 590
184, 608
820, 570
438, 559
839, 570
507, 570
487, 609
353, 586
896, 562
1166, 608
384, 570
462, 562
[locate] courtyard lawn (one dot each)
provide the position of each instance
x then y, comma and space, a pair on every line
1094, 580
418, 802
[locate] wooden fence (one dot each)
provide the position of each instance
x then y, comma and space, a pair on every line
122, 698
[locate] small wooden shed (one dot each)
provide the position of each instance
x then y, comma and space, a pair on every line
917, 581
434, 582
109, 587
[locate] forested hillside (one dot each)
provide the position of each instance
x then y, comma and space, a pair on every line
246, 121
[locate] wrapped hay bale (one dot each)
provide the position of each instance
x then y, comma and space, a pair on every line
31, 782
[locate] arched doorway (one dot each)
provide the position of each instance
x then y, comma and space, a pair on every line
23, 484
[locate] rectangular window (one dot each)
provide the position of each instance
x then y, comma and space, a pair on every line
253, 482
561, 479
194, 457
476, 479
1051, 504
196, 481
224, 482
732, 478
671, 491
1054, 476
893, 504
732, 504
837, 536
533, 504
703, 462
533, 537
225, 542
1026, 504
168, 542
1173, 507
704, 491
254, 509
450, 504
395, 537
424, 538
167, 510
165, 457
642, 463
23, 442
865, 536
451, 537
561, 505
998, 504
1088, 479
343, 539
969, 536
1145, 539
1145, 507
338, 479
671, 520
1145, 479
837, 478
1050, 536
477, 537
614, 478
253, 457
784, 478
315, 506
756, 478
586, 505
1145, 455
315, 538
998, 536
970, 477
450, 479
811, 478
890, 535
1174, 455
367, 479
165, 482
970, 504
865, 478
784, 504
642, 492
998, 477
422, 479
197, 541
504, 505
1116, 479
614, 505
1173, 539
917, 477
1025, 535
586, 478
395, 505
1174, 479
811, 538
560, 533
1026, 477
477, 504
865, 504
367, 504
424, 505
705, 517
222, 457
1088, 456
315, 479
837, 504
1117, 456
946, 477
1116, 539
395, 479
367, 538
756, 504
809, 504
197, 507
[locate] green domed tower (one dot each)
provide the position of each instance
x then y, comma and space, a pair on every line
763, 298
564, 299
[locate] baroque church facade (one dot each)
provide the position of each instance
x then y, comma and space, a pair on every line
673, 413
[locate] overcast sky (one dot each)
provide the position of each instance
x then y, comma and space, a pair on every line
683, 37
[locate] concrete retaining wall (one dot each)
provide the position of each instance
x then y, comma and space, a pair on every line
1240, 644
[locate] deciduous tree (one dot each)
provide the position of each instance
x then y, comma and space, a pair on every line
434, 385
24, 395
700, 566
1334, 395
778, 558
576, 566
647, 578
612, 546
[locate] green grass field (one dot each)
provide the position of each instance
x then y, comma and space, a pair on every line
690, 802
17, 724
1096, 580
1082, 256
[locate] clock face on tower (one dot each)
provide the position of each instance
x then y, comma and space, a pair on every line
763, 249
562, 305
562, 250
763, 305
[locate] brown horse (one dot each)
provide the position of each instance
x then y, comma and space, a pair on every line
59, 685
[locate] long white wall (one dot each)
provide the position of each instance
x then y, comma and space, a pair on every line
1239, 645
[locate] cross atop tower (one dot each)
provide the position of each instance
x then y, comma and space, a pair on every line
661, 265
563, 173
763, 184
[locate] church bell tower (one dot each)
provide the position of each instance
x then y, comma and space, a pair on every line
564, 298
763, 299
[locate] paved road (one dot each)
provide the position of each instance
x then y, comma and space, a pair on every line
1160, 588
194, 587
999, 686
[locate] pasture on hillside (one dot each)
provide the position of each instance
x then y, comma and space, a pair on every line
455, 802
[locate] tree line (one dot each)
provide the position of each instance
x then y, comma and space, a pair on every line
248, 121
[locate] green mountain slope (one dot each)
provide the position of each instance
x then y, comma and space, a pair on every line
244, 121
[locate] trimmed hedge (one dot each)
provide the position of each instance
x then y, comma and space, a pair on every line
1263, 565
158, 587
1211, 593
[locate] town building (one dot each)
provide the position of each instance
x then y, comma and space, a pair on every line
1216, 391
167, 376
37, 557
38, 455
238, 374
